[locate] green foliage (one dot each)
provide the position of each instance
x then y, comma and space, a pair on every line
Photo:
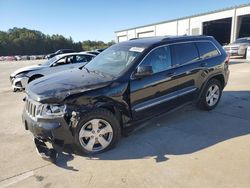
22, 41
92, 45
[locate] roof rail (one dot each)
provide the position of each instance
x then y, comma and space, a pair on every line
181, 37
134, 39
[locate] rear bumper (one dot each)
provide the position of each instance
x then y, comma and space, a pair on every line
54, 130
239, 52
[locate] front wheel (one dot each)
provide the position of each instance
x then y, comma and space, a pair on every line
211, 95
97, 131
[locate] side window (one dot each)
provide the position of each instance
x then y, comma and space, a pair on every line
159, 59
80, 59
89, 58
185, 53
64, 61
206, 50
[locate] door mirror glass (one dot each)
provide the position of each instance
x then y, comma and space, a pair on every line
143, 71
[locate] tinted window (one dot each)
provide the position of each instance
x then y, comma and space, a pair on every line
89, 57
80, 59
159, 59
185, 53
207, 50
242, 40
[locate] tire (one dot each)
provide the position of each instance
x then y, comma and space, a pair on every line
204, 103
245, 55
105, 120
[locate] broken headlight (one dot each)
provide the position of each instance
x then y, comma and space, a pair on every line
51, 110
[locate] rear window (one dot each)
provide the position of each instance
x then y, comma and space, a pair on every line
207, 50
185, 53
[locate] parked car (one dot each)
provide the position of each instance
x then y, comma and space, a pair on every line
100, 50
21, 77
18, 57
93, 52
239, 47
9, 58
25, 57
58, 52
127, 83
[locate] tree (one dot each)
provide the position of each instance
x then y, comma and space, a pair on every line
22, 41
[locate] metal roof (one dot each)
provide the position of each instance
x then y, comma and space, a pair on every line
186, 17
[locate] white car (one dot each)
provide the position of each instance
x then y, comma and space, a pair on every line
21, 77
239, 47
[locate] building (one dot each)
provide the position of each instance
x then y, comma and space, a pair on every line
225, 25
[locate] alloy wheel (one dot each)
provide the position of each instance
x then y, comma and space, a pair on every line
95, 135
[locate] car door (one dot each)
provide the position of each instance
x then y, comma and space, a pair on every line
188, 68
155, 93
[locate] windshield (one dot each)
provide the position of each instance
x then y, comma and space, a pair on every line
114, 60
48, 63
238, 41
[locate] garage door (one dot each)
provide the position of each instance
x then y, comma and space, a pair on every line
122, 38
146, 34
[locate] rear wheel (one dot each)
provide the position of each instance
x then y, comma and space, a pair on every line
97, 132
211, 95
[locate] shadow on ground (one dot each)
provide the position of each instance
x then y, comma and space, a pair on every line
184, 131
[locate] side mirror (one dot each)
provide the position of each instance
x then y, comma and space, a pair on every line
143, 71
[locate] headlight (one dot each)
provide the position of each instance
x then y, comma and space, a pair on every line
51, 110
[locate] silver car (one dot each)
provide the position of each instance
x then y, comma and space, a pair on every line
21, 77
239, 47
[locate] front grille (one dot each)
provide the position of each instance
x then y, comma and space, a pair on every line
31, 108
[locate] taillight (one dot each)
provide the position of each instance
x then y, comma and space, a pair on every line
227, 59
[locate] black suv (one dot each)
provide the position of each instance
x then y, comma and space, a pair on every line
129, 82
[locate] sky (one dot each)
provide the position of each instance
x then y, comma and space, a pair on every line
98, 20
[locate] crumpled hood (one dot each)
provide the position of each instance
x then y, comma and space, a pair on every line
26, 69
56, 87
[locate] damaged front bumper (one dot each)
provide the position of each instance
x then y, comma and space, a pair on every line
55, 130
19, 82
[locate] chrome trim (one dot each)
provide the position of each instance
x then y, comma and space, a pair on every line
165, 100
31, 108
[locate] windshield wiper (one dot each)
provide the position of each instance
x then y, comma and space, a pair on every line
85, 69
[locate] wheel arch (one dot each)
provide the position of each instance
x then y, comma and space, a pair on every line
219, 77
33, 77
116, 109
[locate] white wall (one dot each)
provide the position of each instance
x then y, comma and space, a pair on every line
187, 25
183, 27
166, 29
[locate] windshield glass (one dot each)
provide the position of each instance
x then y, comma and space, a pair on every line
241, 41
114, 60
48, 63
